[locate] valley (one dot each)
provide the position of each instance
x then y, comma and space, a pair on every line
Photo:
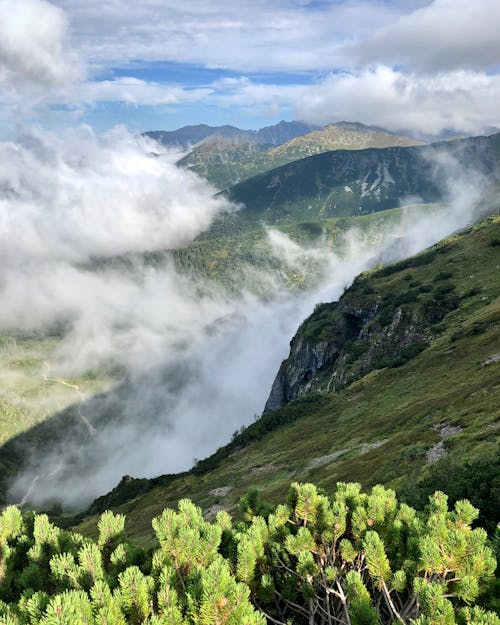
421, 419
259, 269
250, 312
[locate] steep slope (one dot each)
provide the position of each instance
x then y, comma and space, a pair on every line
225, 163
52, 419
341, 183
427, 410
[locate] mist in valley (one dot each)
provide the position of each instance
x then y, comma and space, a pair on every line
191, 361
186, 361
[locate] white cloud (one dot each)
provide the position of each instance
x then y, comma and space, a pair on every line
33, 44
441, 50
251, 37
445, 35
77, 197
462, 100
137, 92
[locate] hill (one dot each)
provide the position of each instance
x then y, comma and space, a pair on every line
225, 163
341, 183
415, 407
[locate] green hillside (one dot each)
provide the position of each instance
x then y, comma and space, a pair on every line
422, 417
343, 183
239, 242
224, 163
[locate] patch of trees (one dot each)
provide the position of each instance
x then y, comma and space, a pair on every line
353, 559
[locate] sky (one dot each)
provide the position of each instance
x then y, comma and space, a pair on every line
412, 65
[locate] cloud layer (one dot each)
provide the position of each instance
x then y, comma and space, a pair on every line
418, 66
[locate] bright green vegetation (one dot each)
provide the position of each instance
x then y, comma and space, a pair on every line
432, 421
225, 163
352, 558
31, 391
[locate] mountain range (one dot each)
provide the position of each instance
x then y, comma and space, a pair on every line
226, 155
189, 136
341, 183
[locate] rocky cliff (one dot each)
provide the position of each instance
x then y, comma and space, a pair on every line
369, 328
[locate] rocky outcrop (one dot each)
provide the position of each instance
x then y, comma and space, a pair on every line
305, 360
367, 329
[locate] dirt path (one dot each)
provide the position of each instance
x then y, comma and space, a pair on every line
91, 429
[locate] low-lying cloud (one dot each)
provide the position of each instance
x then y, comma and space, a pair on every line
197, 362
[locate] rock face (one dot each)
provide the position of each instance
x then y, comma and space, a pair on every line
366, 329
304, 361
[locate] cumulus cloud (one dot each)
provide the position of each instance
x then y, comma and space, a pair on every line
445, 35
464, 101
418, 66
34, 45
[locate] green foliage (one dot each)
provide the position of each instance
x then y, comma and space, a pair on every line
353, 558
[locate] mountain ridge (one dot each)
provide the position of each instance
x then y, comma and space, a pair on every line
341, 182
224, 163
192, 135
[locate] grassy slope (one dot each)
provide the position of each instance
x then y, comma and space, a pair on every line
380, 428
30, 391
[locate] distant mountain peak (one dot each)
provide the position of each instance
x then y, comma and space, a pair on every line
189, 136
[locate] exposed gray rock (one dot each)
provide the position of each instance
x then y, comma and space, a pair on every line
492, 359
445, 430
367, 447
222, 491
339, 344
326, 459
305, 360
210, 513
435, 453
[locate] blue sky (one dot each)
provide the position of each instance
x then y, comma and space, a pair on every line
419, 66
